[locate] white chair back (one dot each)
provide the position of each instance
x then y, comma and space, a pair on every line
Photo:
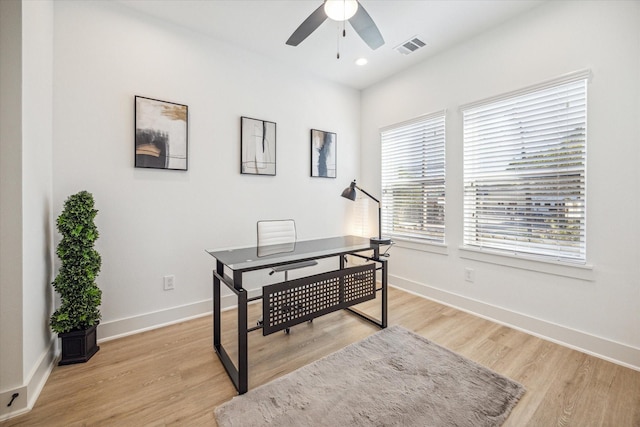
276, 232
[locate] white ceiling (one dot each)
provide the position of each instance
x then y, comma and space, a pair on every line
263, 26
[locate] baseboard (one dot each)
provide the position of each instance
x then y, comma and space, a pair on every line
603, 348
28, 394
145, 322
158, 319
18, 407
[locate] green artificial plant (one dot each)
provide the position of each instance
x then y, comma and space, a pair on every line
75, 282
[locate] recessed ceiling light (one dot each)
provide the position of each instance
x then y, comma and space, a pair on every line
361, 61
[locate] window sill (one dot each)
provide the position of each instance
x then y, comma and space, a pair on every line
582, 272
416, 245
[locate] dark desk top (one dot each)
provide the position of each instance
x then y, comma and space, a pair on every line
253, 258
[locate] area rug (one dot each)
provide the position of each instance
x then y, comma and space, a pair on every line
391, 378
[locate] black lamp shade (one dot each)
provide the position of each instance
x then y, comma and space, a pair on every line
350, 192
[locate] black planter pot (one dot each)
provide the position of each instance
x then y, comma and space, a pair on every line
78, 346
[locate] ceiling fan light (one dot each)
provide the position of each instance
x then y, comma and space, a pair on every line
340, 10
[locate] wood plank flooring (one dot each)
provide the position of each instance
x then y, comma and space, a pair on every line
172, 377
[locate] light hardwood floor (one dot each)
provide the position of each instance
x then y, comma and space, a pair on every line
171, 376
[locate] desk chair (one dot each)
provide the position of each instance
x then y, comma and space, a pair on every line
279, 236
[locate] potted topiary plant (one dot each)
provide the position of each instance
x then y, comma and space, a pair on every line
78, 316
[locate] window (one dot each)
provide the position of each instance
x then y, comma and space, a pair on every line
413, 179
525, 171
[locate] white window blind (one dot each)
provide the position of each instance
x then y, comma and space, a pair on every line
525, 172
413, 160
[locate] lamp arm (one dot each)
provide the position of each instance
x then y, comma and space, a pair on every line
379, 211
376, 200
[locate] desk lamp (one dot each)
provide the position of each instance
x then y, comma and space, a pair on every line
350, 193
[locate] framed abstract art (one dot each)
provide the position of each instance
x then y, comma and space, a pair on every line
257, 147
323, 154
161, 134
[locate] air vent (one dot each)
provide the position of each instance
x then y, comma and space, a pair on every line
410, 46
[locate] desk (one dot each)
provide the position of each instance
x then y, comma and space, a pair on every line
295, 301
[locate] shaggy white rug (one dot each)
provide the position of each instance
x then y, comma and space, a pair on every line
391, 378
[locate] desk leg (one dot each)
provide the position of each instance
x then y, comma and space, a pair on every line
216, 306
243, 348
384, 293
382, 321
383, 262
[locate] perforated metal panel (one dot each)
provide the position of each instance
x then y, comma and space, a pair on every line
290, 303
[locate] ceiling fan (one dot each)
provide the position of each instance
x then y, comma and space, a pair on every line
340, 10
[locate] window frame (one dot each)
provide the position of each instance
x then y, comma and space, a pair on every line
426, 224
478, 175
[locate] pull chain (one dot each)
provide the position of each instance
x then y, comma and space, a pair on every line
344, 29
344, 35
338, 43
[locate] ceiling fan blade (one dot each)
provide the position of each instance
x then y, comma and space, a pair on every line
308, 26
366, 28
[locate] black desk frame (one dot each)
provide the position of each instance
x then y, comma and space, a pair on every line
239, 375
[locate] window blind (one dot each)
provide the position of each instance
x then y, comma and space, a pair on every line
525, 172
413, 179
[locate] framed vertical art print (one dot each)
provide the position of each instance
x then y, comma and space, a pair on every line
323, 154
161, 140
257, 147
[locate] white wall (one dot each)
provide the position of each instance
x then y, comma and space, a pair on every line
595, 309
155, 222
10, 195
37, 122
26, 344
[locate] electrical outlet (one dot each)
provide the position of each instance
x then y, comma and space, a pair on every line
169, 283
469, 275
